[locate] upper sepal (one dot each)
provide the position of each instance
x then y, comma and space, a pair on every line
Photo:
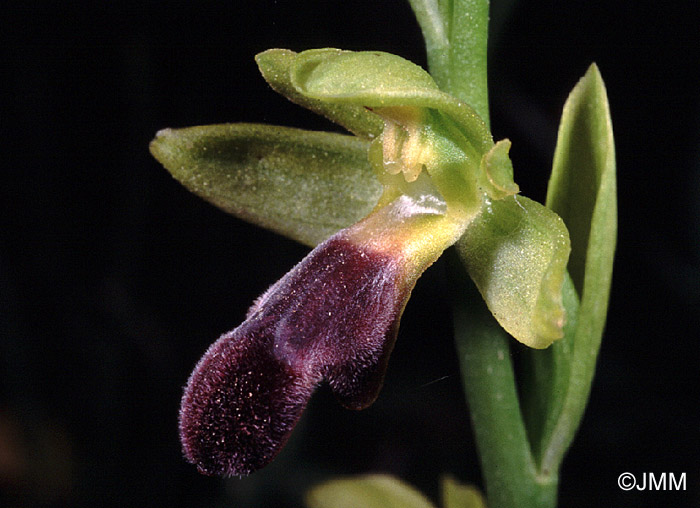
275, 65
376, 79
458, 495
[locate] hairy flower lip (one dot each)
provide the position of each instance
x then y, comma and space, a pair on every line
333, 317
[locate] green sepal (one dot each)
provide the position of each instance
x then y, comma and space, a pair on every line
302, 184
516, 253
582, 190
457, 495
370, 491
370, 78
375, 79
275, 66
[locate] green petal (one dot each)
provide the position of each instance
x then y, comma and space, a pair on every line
516, 253
496, 175
371, 491
275, 66
375, 79
304, 185
456, 495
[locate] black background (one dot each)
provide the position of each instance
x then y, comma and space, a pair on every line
114, 279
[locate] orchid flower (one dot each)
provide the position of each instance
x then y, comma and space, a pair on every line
420, 174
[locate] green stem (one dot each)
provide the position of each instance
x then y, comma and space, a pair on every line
511, 476
456, 36
520, 459
433, 18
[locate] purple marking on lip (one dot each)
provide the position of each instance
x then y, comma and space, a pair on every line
334, 316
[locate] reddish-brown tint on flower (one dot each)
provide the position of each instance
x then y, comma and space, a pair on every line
333, 317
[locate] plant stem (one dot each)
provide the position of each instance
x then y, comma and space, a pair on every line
456, 37
510, 473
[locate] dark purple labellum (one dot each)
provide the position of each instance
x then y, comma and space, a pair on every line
333, 317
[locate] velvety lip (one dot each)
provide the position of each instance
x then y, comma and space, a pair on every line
333, 317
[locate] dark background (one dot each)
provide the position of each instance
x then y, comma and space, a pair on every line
114, 279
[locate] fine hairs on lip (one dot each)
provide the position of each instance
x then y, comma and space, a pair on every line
333, 317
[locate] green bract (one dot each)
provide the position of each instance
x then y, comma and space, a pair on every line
583, 190
307, 185
524, 429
